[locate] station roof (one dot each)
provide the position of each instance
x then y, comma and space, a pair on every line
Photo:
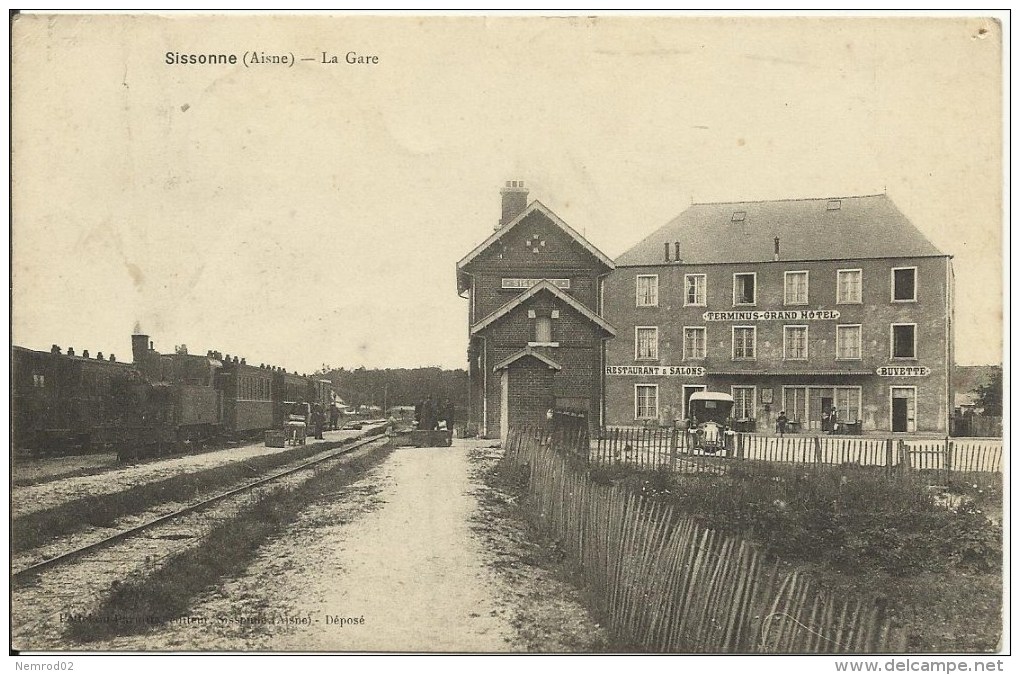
528, 351
830, 228
534, 207
546, 286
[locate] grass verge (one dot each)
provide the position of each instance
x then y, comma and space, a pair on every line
39, 527
934, 556
544, 595
135, 606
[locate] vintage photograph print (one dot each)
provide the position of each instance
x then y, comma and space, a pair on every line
507, 333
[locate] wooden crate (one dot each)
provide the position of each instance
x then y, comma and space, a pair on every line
276, 439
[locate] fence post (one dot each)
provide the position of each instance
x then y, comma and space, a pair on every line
818, 450
949, 461
672, 448
905, 463
888, 457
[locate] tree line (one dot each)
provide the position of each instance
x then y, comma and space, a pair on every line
387, 387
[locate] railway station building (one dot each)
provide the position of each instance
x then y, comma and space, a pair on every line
536, 333
803, 306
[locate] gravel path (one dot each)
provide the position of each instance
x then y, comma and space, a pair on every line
412, 570
45, 495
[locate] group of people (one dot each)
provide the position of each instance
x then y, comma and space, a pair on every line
830, 421
318, 419
428, 413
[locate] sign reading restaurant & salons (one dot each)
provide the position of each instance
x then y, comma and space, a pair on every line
689, 371
773, 315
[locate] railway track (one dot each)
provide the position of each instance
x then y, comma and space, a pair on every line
32, 571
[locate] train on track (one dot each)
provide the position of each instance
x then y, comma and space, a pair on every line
64, 403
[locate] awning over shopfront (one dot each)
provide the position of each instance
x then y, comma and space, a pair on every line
774, 373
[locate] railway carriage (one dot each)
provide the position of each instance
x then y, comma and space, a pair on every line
248, 398
66, 403
69, 403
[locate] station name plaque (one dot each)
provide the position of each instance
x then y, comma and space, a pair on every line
517, 283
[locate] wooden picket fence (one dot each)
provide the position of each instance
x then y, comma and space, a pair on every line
941, 461
666, 584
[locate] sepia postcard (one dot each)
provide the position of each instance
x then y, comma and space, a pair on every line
503, 333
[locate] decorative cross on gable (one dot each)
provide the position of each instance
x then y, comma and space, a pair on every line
535, 243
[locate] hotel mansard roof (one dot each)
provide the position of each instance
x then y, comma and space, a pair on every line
832, 228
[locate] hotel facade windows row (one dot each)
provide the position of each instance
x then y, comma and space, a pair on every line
796, 285
802, 404
744, 341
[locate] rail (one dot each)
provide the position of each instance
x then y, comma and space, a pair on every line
68, 556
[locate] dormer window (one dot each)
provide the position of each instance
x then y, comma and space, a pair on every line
738, 216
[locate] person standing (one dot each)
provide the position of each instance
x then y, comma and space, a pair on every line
428, 414
318, 419
781, 422
447, 414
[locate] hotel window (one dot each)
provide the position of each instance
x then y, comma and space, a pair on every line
904, 341
646, 401
795, 343
848, 404
848, 287
694, 293
743, 403
796, 288
744, 289
848, 342
647, 290
694, 342
646, 343
904, 284
743, 342
795, 403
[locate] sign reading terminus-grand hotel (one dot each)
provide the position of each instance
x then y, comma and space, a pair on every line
774, 315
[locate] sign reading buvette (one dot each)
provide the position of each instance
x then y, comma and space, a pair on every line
690, 371
903, 371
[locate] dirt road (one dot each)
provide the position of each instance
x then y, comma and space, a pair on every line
412, 571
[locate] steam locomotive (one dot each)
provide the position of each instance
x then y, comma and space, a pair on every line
64, 403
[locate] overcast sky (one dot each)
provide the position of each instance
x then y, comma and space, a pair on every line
315, 214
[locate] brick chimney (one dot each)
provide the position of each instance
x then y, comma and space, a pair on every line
139, 348
515, 200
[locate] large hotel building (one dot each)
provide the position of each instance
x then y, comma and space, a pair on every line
796, 306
